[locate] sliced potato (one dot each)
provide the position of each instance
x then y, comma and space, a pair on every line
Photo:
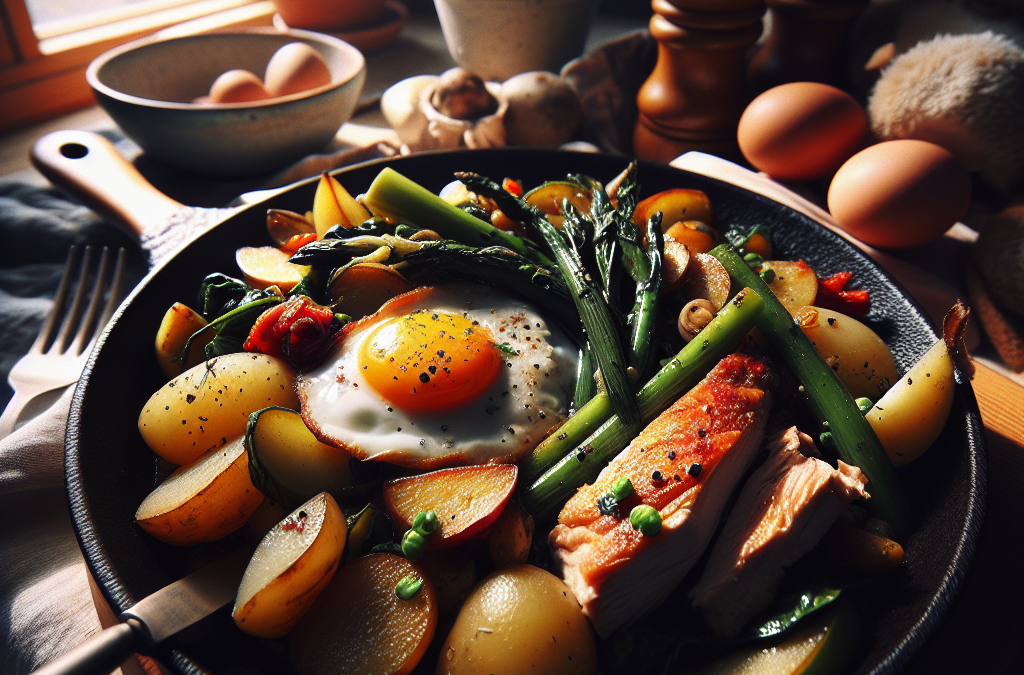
548, 198
675, 204
675, 263
266, 266
911, 415
283, 225
362, 288
177, 326
466, 499
707, 279
207, 405
700, 237
795, 284
855, 352
360, 625
290, 568
204, 501
291, 465
333, 205
509, 541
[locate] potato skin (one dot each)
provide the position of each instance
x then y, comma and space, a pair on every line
855, 352
276, 607
521, 619
206, 405
206, 510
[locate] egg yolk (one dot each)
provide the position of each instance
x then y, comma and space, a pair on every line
429, 361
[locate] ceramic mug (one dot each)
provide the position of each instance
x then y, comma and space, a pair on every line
497, 39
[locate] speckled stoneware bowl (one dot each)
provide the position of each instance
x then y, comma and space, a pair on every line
147, 87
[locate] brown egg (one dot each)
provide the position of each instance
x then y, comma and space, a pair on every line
899, 194
237, 86
801, 130
294, 68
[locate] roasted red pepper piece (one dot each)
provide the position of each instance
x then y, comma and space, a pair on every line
831, 295
512, 186
299, 330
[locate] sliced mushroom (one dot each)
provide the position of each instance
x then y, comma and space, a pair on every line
695, 315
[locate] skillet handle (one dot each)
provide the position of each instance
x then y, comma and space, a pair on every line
89, 166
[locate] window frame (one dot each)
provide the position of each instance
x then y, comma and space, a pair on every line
42, 79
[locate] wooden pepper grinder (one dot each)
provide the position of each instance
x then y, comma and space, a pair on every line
695, 96
806, 42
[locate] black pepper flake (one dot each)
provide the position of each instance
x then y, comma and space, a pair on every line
657, 476
542, 415
702, 433
390, 409
910, 381
580, 455
537, 366
511, 430
694, 469
398, 429
562, 437
831, 321
423, 442
189, 398
440, 352
424, 378
432, 370
676, 478
444, 427
672, 455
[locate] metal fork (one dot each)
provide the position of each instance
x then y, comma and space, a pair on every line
57, 357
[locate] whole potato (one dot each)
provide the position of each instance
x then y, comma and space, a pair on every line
207, 405
521, 619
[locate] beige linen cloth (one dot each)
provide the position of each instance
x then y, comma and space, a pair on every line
46, 606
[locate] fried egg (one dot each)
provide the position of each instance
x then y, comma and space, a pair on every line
442, 376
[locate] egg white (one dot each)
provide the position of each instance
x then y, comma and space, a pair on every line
530, 395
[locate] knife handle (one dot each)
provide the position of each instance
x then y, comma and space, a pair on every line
101, 654
89, 166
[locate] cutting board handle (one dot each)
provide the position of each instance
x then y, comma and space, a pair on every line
89, 166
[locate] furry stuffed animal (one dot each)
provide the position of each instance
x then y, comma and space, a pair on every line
954, 77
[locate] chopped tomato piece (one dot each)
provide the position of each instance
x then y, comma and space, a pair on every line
298, 330
831, 295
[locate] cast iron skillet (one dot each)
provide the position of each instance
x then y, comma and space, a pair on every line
110, 470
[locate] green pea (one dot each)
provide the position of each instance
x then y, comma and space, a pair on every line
408, 586
621, 489
864, 403
413, 544
425, 522
646, 519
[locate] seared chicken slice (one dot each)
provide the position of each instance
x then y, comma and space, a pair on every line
785, 507
685, 464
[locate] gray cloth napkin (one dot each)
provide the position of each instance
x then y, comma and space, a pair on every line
46, 606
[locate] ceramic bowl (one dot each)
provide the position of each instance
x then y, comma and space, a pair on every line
147, 87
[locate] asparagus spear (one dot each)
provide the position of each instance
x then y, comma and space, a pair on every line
597, 317
393, 195
827, 398
592, 437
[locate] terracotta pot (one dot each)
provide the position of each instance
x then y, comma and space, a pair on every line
330, 15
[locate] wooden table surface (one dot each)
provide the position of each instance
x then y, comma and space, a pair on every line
984, 631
